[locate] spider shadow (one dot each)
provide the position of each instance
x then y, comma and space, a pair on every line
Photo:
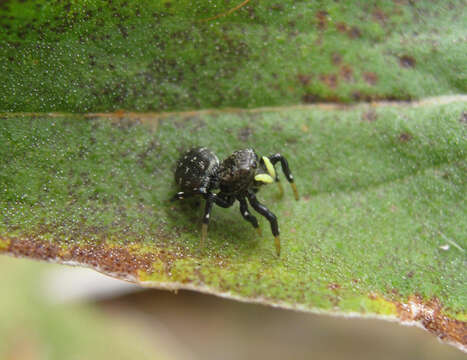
227, 227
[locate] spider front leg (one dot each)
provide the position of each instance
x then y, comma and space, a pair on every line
206, 217
210, 200
180, 196
263, 210
247, 215
285, 168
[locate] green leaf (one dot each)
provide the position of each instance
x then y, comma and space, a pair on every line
380, 228
84, 56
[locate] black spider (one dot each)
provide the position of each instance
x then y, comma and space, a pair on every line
238, 177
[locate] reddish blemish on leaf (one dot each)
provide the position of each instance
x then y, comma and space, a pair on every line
322, 19
304, 79
405, 137
33, 249
309, 98
346, 72
354, 32
430, 315
330, 80
407, 61
370, 77
380, 16
115, 260
110, 259
341, 27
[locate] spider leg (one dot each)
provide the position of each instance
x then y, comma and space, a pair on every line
279, 186
222, 200
184, 195
181, 195
247, 215
206, 217
263, 210
285, 168
210, 200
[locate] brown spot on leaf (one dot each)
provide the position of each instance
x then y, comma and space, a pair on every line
310, 98
33, 249
430, 315
358, 96
114, 260
346, 72
330, 80
370, 77
110, 259
362, 96
304, 79
341, 27
405, 137
407, 61
380, 16
322, 19
354, 32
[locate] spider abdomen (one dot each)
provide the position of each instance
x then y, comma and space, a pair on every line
196, 170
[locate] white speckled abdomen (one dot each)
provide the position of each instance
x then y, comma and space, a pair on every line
195, 169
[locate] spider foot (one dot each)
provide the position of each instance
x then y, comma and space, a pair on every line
277, 242
258, 230
204, 234
295, 191
281, 189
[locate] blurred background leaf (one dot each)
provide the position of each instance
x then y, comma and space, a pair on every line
33, 327
84, 56
153, 324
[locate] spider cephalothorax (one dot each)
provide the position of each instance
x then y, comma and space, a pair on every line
237, 172
238, 177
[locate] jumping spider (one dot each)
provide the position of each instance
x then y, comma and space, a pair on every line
238, 177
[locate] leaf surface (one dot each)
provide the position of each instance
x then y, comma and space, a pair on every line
380, 228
